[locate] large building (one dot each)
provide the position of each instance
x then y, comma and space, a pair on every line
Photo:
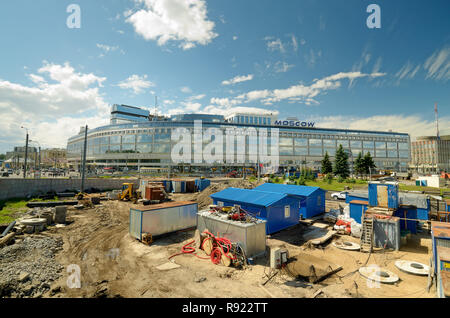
132, 141
430, 154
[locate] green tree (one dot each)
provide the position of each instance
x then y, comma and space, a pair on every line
368, 163
2, 156
341, 163
327, 167
360, 164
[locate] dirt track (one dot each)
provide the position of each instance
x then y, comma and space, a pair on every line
115, 265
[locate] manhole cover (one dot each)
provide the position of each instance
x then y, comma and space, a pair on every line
412, 267
375, 273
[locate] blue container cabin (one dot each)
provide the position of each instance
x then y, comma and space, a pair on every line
407, 215
280, 211
383, 194
355, 195
311, 199
440, 236
357, 208
202, 184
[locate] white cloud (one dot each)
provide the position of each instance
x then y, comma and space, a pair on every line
107, 48
294, 42
438, 65
414, 125
282, 67
168, 102
197, 97
136, 83
235, 38
238, 79
297, 93
60, 101
407, 71
173, 20
186, 90
275, 45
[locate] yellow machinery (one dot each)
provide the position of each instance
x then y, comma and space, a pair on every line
129, 193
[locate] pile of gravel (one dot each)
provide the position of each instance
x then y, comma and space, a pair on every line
28, 268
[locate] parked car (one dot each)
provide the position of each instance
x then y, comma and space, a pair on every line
339, 195
5, 174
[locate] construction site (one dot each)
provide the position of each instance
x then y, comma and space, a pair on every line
232, 238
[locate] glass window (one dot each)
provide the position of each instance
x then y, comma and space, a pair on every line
315, 142
286, 151
315, 151
103, 149
301, 151
246, 119
380, 153
403, 154
392, 154
115, 139
356, 144
265, 120
329, 143
144, 148
355, 153
114, 148
380, 145
269, 120
368, 144
392, 145
285, 141
403, 146
128, 147
344, 143
128, 139
331, 151
144, 138
161, 148
301, 142
162, 138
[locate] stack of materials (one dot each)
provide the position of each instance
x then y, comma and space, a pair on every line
237, 226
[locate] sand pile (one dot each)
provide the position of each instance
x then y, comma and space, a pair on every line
204, 200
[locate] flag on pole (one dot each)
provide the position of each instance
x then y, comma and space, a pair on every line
437, 122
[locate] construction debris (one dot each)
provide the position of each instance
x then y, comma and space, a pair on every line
312, 268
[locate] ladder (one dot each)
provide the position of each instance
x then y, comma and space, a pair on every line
367, 234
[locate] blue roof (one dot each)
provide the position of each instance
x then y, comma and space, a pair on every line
287, 189
255, 197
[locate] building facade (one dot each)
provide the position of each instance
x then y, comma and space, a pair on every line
430, 154
148, 143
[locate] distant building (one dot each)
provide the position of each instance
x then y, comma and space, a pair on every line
56, 158
430, 154
132, 141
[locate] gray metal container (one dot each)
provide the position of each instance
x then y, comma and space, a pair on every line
251, 236
162, 218
386, 233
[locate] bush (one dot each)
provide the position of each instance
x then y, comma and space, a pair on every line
301, 181
350, 180
340, 179
277, 180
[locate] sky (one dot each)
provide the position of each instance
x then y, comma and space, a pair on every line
314, 60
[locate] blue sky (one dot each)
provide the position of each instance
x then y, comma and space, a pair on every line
316, 60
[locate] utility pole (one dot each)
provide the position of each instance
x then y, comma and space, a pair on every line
437, 137
26, 155
83, 172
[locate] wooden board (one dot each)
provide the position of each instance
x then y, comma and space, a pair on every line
207, 246
382, 196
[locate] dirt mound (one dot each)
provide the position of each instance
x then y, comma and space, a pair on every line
204, 200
